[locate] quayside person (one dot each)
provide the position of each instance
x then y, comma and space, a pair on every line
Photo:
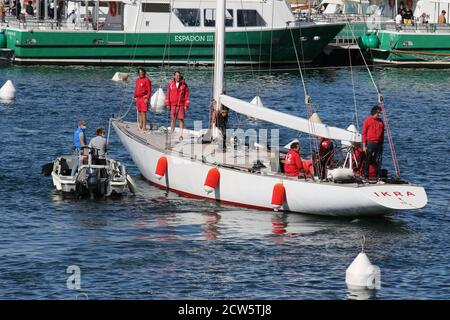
293, 165
99, 143
408, 17
29, 8
79, 141
2, 11
177, 99
373, 139
17, 7
442, 19
142, 93
398, 19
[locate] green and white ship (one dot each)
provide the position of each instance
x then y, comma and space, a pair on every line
423, 44
155, 31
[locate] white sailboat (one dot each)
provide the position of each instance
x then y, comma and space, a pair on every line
196, 169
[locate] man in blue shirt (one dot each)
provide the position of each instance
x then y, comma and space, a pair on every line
79, 141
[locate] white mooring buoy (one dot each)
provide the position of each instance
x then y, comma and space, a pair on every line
7, 91
120, 76
362, 274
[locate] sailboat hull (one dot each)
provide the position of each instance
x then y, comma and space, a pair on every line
186, 176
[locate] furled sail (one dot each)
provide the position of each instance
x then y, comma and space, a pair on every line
288, 121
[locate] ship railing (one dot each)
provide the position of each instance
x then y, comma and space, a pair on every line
333, 18
418, 28
343, 41
35, 24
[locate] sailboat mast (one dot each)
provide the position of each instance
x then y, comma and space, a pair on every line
219, 56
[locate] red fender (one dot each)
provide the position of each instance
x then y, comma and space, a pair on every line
161, 167
212, 180
278, 195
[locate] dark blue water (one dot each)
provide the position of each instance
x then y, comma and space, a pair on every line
158, 245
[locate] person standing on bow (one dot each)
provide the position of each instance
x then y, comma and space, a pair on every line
373, 139
142, 93
177, 99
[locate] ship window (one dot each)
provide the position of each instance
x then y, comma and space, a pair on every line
155, 7
249, 18
189, 17
209, 16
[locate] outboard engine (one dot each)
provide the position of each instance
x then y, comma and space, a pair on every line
92, 182
103, 182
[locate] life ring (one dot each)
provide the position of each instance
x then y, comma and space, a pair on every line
112, 8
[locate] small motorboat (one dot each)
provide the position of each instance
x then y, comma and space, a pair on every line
94, 177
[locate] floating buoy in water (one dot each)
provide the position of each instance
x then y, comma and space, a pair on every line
120, 76
350, 128
278, 196
257, 101
158, 101
161, 167
362, 274
212, 180
8, 92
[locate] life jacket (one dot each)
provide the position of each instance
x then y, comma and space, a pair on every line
76, 137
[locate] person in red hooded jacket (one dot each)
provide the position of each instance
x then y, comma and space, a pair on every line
292, 161
372, 140
142, 93
177, 99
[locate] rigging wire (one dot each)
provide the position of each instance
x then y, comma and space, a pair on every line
313, 140
248, 43
130, 66
385, 117
353, 81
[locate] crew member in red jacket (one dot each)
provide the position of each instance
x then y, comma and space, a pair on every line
177, 99
292, 162
142, 93
326, 153
373, 139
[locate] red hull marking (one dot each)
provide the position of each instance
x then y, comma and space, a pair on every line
396, 193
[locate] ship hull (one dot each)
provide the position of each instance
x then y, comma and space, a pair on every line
186, 176
116, 48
